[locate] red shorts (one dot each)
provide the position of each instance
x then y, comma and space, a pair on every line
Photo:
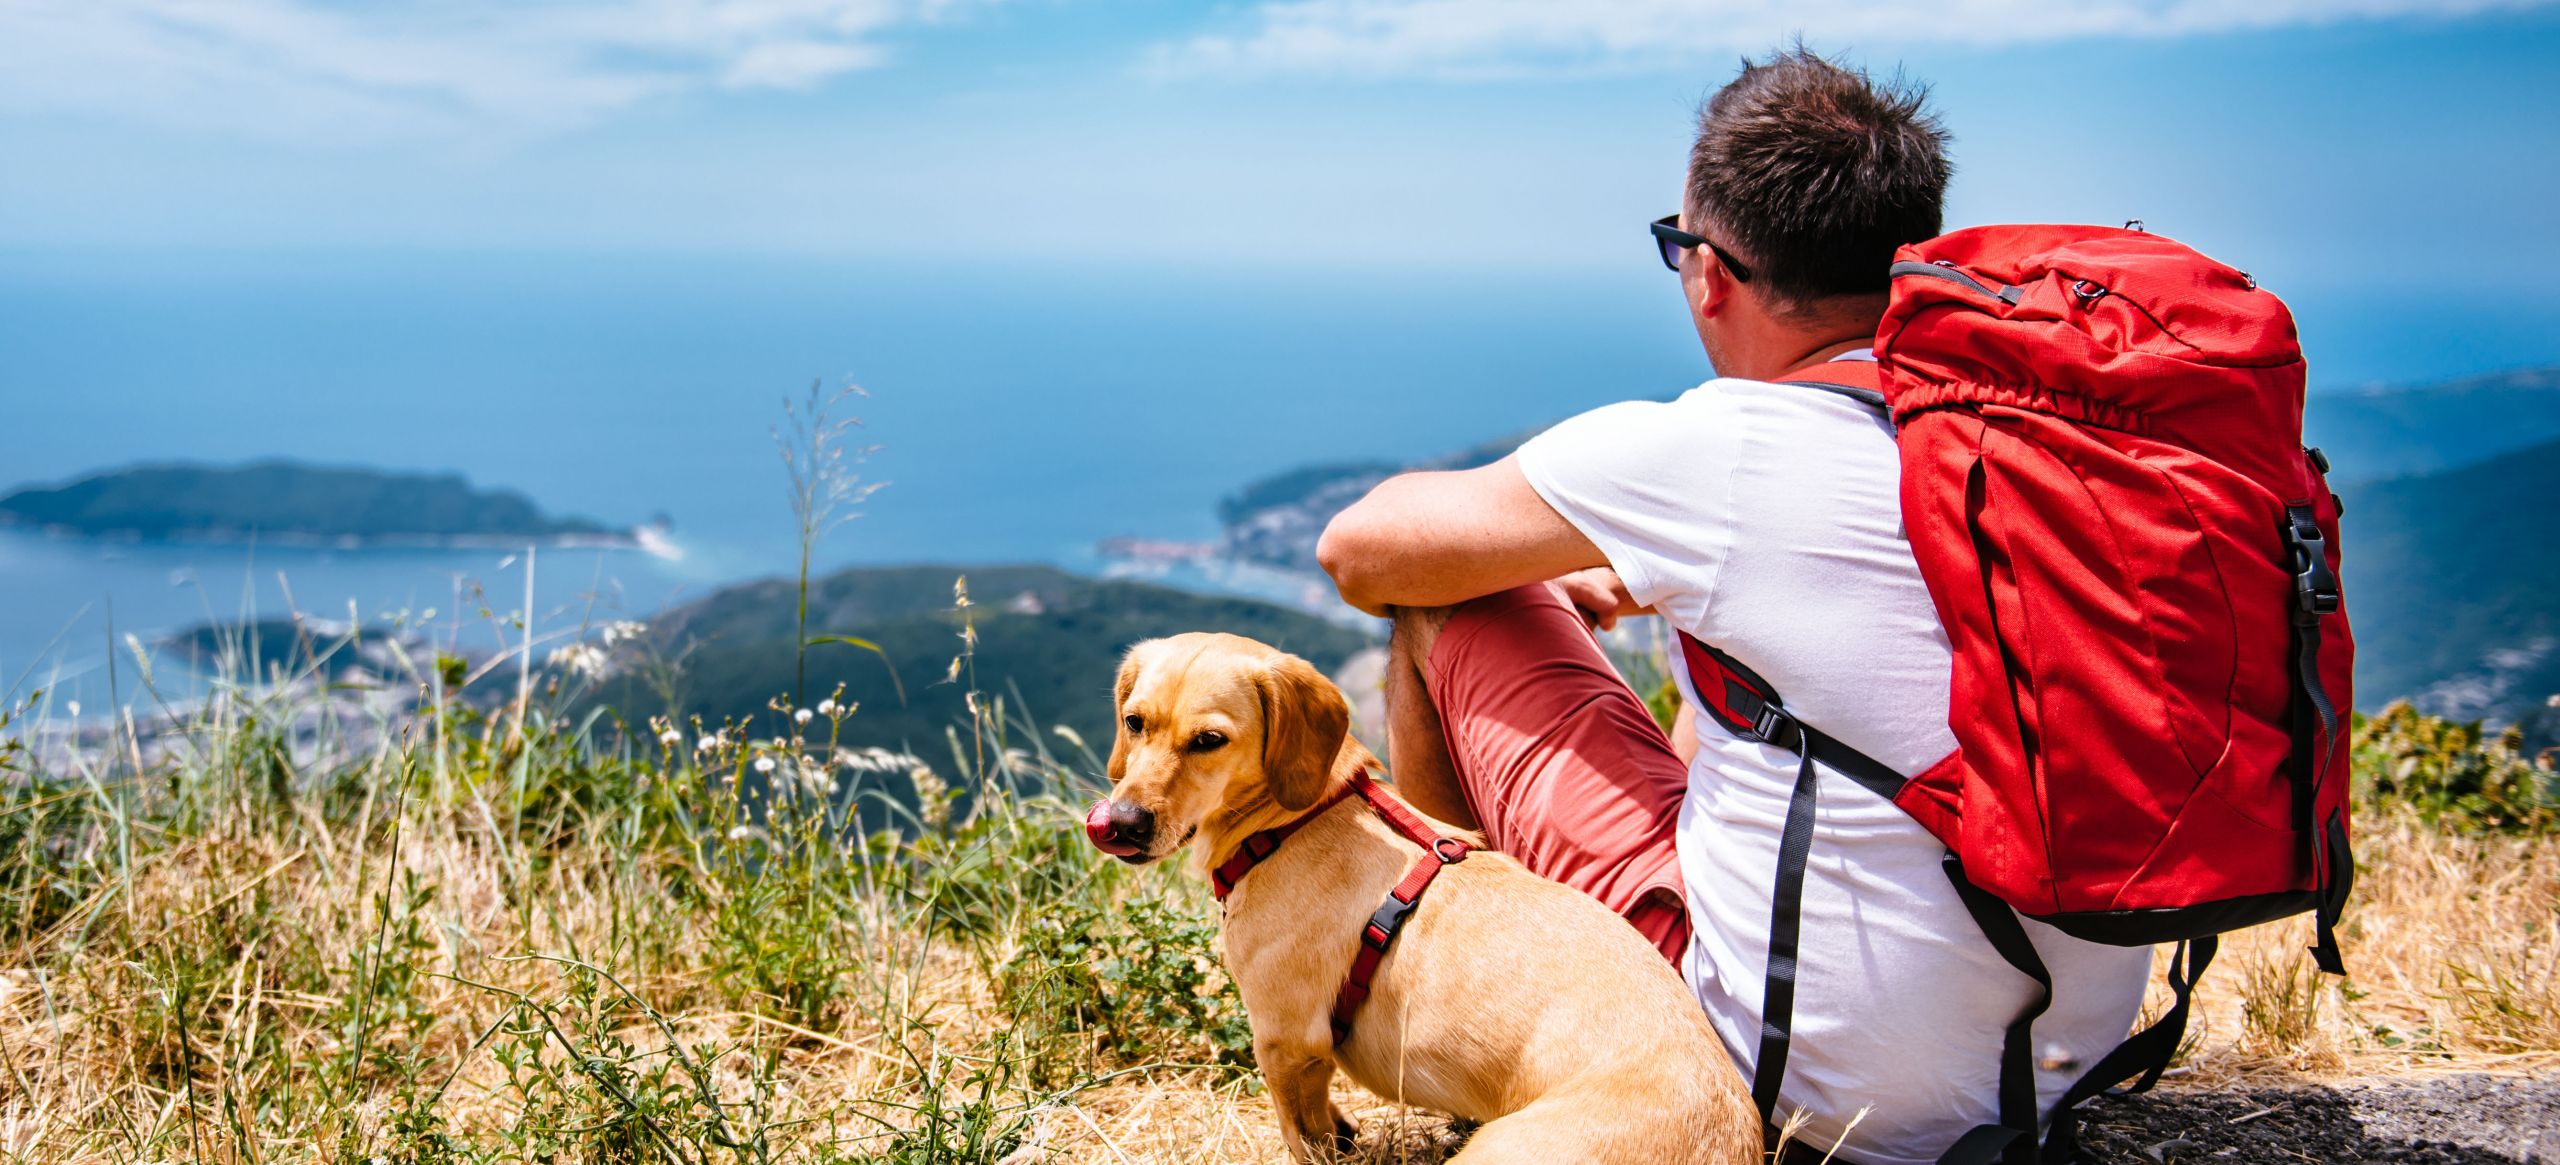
1561, 762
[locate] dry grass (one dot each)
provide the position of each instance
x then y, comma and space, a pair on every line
470, 941
2452, 964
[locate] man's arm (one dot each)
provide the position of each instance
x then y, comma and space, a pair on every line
1433, 539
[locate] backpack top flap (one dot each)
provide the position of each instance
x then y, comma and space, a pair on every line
2117, 328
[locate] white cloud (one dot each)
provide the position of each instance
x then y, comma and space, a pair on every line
342, 70
1497, 37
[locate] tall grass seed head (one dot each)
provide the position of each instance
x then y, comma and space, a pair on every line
933, 797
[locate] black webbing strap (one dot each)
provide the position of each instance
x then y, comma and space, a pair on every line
1765, 719
2145, 1054
1866, 396
1748, 713
2013, 1140
1786, 933
2315, 728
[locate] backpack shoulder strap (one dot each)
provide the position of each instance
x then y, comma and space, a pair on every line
1854, 377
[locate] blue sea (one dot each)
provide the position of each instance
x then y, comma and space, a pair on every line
1022, 410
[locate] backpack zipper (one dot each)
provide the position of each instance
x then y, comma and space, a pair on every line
2008, 294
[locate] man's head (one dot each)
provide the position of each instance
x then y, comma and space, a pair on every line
1810, 174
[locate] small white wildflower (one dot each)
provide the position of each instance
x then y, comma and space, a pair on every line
826, 707
623, 631
815, 778
764, 764
671, 738
580, 659
708, 742
743, 832
73, 707
800, 717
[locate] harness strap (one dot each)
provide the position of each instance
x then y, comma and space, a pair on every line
1257, 848
1396, 908
1380, 931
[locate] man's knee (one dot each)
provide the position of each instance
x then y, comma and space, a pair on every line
1419, 628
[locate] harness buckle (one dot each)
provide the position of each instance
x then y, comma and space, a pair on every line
1384, 924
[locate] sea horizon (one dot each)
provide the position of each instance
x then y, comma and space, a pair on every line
1020, 416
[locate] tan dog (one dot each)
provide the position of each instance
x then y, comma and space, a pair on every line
1507, 999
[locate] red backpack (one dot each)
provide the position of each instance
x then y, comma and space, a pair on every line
2135, 560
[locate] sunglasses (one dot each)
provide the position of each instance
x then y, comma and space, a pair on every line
1675, 242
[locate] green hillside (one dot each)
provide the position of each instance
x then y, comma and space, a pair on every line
288, 499
2453, 580
1052, 637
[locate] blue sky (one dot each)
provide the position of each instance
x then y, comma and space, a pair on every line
2336, 144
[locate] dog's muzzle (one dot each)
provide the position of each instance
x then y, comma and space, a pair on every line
1119, 828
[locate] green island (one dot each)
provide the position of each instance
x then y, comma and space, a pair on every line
293, 502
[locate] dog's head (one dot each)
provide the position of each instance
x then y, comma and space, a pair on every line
1208, 722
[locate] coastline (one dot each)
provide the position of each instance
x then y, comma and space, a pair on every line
652, 540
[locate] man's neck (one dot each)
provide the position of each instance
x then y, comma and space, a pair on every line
1760, 345
1827, 353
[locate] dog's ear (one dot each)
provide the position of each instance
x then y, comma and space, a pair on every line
1304, 721
1128, 679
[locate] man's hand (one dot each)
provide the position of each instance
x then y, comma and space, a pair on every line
1601, 595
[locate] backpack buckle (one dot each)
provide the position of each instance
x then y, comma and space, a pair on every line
1773, 726
2315, 586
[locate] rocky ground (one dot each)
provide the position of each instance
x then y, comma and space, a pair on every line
2438, 1120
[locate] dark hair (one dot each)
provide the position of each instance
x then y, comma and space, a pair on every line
1815, 173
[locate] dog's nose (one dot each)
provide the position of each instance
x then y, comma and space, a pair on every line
1120, 828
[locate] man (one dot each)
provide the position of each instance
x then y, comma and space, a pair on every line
1762, 518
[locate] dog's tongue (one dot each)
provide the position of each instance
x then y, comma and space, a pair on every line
1097, 829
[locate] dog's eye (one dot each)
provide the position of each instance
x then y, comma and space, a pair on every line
1134, 723
1208, 742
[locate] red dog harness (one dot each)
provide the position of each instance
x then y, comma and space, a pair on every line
1383, 926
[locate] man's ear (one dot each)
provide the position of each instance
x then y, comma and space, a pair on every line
1120, 688
1710, 291
1304, 721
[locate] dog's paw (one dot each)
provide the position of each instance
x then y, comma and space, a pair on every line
1346, 1135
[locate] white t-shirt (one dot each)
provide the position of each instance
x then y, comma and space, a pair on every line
1765, 519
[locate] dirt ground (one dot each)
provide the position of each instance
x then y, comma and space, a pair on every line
2467, 1119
